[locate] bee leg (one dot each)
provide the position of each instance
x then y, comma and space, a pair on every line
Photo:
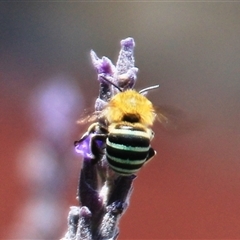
93, 128
97, 144
151, 154
90, 130
97, 128
98, 139
92, 142
84, 137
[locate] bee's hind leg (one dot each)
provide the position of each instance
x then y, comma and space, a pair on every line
151, 154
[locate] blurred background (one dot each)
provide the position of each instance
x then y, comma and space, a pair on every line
191, 190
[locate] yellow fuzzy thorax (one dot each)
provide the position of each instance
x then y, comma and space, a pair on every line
130, 102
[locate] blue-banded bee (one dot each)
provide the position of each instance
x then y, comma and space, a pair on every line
127, 119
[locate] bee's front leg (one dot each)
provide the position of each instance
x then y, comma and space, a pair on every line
92, 143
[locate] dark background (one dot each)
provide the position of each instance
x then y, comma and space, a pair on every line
192, 49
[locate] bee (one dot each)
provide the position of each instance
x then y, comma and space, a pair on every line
127, 118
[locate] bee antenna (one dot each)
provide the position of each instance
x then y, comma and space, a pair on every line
117, 87
148, 88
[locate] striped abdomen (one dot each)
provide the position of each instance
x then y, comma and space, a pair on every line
127, 149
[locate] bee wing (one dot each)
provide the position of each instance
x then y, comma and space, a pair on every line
167, 114
88, 116
175, 120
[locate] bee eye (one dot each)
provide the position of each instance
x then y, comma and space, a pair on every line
133, 118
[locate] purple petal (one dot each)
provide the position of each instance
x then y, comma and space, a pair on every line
103, 65
83, 147
85, 212
128, 43
106, 66
126, 58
